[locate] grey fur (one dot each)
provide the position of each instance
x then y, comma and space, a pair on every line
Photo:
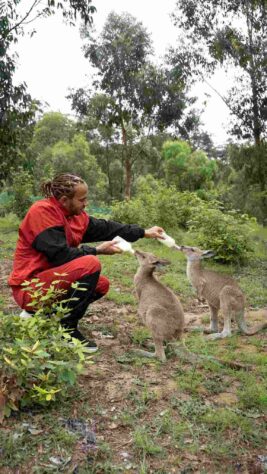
159, 308
220, 291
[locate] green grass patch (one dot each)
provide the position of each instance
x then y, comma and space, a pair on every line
144, 442
253, 392
140, 335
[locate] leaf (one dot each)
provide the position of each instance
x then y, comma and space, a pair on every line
35, 431
35, 346
9, 362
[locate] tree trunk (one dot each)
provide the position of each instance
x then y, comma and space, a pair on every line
252, 73
128, 166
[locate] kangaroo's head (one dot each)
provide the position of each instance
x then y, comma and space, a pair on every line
150, 261
194, 253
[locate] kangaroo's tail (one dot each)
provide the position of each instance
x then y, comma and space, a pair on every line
249, 331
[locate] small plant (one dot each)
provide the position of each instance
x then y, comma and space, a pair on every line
223, 419
252, 394
144, 442
140, 336
37, 360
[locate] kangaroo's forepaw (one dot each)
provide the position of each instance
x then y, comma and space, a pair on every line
218, 335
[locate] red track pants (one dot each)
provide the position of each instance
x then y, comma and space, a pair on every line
73, 271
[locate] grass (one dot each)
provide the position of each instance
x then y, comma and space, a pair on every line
144, 442
150, 418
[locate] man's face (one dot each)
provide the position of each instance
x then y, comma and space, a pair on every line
79, 201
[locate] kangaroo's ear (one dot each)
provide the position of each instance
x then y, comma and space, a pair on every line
208, 254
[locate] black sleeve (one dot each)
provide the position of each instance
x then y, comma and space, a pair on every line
100, 230
52, 242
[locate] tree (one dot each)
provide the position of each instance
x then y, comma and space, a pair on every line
247, 180
188, 170
72, 157
17, 109
139, 96
50, 129
232, 34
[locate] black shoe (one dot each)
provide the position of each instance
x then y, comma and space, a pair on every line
88, 343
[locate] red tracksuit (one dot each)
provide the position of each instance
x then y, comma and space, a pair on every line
49, 242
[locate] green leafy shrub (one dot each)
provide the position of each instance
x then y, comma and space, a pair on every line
22, 190
157, 203
5, 203
228, 234
9, 223
37, 361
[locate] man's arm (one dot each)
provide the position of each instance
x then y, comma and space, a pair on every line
100, 230
52, 242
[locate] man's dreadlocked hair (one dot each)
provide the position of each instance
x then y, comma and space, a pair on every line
62, 185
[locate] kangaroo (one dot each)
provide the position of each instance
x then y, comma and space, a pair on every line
159, 308
220, 291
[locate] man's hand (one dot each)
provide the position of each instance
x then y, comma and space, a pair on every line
107, 248
154, 232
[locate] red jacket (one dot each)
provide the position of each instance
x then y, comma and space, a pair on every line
49, 237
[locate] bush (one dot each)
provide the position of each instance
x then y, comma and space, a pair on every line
22, 188
157, 204
5, 203
9, 223
37, 361
228, 234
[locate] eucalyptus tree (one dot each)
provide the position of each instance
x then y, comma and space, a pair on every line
232, 34
140, 96
188, 170
17, 109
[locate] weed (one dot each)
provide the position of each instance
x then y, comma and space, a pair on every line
216, 384
127, 419
191, 380
141, 399
120, 297
143, 468
140, 336
180, 431
252, 394
191, 409
164, 423
205, 319
144, 442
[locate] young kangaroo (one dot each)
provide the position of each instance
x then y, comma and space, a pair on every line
220, 291
159, 308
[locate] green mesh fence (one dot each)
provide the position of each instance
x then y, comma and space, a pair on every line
93, 209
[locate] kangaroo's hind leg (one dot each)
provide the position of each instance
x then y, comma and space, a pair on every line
159, 350
213, 320
226, 305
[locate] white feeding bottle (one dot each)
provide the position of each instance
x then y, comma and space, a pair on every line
167, 240
123, 244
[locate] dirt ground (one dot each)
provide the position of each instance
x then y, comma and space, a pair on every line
114, 386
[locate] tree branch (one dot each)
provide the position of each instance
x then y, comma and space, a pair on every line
223, 99
35, 3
